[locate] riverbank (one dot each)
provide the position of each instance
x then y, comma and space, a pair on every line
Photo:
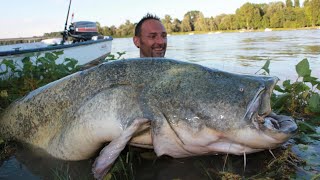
7, 41
244, 30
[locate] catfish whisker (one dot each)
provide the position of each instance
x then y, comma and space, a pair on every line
244, 161
225, 160
272, 154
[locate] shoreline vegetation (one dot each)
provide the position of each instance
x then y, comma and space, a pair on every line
9, 41
278, 15
245, 30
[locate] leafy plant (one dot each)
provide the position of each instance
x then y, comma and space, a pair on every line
300, 98
34, 71
111, 57
31, 72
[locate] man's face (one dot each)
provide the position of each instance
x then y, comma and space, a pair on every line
152, 40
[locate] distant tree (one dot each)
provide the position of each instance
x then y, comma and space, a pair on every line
212, 25
228, 22
125, 30
312, 9
100, 29
112, 30
167, 23
289, 4
98, 25
53, 34
274, 14
263, 7
218, 21
176, 25
301, 20
249, 16
290, 18
108, 31
265, 22
296, 3
186, 23
200, 23
193, 16
277, 19
275, 7
234, 23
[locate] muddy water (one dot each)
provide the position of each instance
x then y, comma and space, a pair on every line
33, 164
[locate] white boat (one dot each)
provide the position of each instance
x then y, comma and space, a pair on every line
267, 29
242, 30
84, 52
81, 42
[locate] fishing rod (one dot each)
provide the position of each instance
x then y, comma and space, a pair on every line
65, 32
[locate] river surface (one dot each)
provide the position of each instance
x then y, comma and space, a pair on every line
241, 52
234, 52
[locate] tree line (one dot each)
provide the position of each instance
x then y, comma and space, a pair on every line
290, 14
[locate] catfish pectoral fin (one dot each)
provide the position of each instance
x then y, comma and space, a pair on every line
110, 153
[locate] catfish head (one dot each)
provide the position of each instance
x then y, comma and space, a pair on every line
197, 110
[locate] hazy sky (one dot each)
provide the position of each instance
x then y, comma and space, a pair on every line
25, 18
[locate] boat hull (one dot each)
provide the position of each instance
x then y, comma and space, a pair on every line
84, 52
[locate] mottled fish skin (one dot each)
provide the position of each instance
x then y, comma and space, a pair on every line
193, 110
205, 97
61, 98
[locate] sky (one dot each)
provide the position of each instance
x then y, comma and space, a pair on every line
27, 18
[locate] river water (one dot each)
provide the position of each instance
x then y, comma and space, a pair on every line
233, 52
241, 52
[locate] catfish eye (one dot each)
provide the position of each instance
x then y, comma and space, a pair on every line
241, 89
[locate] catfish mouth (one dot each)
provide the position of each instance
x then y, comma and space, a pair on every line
268, 120
280, 123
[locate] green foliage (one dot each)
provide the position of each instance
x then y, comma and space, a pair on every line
289, 3
249, 16
53, 34
300, 98
296, 3
167, 23
112, 57
34, 71
265, 68
125, 30
312, 10
186, 24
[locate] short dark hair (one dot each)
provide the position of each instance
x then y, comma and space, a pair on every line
137, 30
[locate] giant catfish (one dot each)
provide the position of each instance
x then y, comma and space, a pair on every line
177, 108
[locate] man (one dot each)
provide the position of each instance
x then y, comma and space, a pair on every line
151, 37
